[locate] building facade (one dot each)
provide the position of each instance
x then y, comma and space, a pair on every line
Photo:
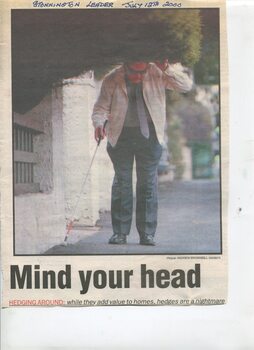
53, 147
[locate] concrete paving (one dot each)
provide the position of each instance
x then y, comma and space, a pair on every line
188, 223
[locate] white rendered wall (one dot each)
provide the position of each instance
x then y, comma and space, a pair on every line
102, 171
79, 95
79, 145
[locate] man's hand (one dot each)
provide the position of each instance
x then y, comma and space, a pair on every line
163, 65
99, 133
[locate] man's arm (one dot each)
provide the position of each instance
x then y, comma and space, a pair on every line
102, 107
174, 77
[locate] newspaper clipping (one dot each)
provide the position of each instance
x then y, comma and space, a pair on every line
114, 154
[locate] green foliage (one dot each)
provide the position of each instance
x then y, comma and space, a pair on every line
188, 122
206, 71
150, 35
179, 36
195, 118
50, 45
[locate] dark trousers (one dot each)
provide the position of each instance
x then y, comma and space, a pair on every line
147, 152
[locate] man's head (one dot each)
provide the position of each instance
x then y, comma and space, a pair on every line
137, 66
135, 71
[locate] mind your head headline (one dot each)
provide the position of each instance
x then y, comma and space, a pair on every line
33, 277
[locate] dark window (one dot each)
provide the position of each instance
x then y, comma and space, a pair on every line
23, 139
24, 160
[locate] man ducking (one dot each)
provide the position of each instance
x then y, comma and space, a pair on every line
133, 101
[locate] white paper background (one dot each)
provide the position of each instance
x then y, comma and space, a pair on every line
214, 327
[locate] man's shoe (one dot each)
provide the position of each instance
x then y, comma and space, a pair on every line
117, 239
147, 240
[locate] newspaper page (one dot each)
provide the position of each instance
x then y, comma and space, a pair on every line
114, 153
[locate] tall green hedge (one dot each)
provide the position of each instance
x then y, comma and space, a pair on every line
50, 45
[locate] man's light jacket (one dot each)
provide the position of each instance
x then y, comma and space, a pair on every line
112, 102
